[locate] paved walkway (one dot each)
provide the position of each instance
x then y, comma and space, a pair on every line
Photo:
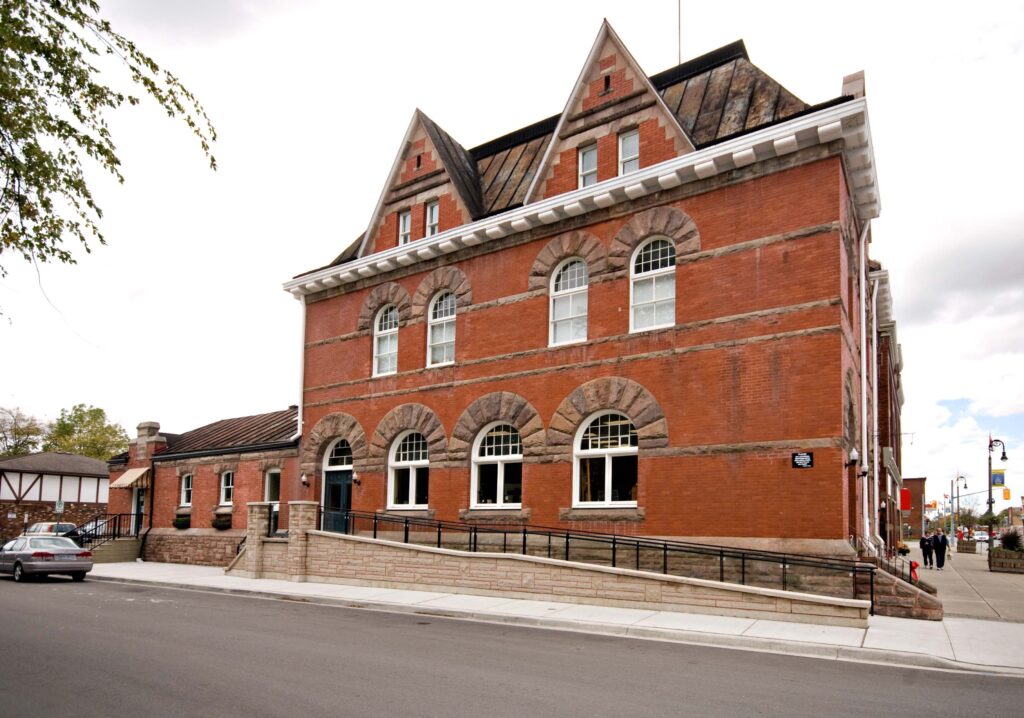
967, 588
955, 643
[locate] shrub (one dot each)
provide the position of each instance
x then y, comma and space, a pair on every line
1010, 540
182, 522
222, 522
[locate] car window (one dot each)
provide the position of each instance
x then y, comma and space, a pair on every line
19, 545
36, 528
10, 545
61, 528
53, 542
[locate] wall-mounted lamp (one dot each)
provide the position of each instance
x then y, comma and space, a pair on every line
854, 458
304, 479
356, 481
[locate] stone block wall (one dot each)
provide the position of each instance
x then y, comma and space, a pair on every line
895, 597
39, 511
202, 547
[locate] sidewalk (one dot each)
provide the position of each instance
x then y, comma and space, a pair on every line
955, 643
968, 589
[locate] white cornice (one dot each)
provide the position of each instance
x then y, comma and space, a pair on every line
847, 121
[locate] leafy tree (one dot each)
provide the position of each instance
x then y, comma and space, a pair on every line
19, 432
85, 430
52, 114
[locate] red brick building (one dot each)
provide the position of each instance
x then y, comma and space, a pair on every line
653, 313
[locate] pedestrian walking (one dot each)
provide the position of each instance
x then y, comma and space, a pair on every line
926, 549
939, 544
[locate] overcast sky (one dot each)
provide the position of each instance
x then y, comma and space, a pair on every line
181, 318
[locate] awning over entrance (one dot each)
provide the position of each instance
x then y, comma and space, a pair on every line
132, 478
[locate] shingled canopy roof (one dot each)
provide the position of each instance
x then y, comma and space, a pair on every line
716, 96
55, 462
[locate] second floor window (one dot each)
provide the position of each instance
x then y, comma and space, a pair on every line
653, 287
227, 487
385, 341
441, 330
431, 219
629, 152
404, 227
588, 165
569, 303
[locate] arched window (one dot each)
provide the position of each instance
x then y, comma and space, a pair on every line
410, 472
339, 456
605, 471
497, 480
441, 330
653, 286
385, 341
569, 303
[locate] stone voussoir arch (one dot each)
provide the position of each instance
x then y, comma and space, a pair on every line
503, 406
382, 295
608, 394
338, 425
572, 244
661, 221
408, 417
451, 278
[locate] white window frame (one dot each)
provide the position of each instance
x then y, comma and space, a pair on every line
501, 460
227, 488
585, 177
394, 465
266, 485
575, 295
432, 215
385, 334
437, 324
186, 490
608, 454
651, 276
625, 159
404, 227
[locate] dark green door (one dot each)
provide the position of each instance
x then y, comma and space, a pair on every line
337, 500
140, 509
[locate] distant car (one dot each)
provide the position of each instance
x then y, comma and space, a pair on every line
52, 528
91, 530
981, 536
28, 556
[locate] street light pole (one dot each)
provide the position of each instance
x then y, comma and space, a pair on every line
991, 517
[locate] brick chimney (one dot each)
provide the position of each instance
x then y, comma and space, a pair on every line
148, 442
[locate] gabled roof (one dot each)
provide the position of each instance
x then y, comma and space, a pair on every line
455, 160
714, 97
274, 428
55, 462
605, 36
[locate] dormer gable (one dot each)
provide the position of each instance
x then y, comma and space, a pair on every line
433, 186
614, 121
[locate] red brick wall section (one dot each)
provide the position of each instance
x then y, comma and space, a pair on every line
619, 85
754, 370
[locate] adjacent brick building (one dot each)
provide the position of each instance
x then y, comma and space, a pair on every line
627, 317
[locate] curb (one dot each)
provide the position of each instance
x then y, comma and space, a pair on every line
695, 638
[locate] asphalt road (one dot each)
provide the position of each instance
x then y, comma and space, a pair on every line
98, 648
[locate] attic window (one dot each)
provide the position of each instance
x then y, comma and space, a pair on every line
607, 85
419, 161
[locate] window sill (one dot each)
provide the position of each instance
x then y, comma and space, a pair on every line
413, 512
183, 510
573, 343
378, 376
440, 366
496, 515
658, 328
224, 509
602, 513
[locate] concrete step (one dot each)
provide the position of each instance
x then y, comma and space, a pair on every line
117, 551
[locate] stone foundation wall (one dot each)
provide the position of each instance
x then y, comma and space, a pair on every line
1004, 561
38, 511
895, 597
202, 547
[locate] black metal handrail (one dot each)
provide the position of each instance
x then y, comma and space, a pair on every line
102, 528
721, 563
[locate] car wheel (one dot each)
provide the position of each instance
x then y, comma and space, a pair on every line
78, 576
19, 573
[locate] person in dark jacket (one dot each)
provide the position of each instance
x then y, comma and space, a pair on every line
926, 549
939, 544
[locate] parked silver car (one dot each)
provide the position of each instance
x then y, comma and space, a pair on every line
28, 556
